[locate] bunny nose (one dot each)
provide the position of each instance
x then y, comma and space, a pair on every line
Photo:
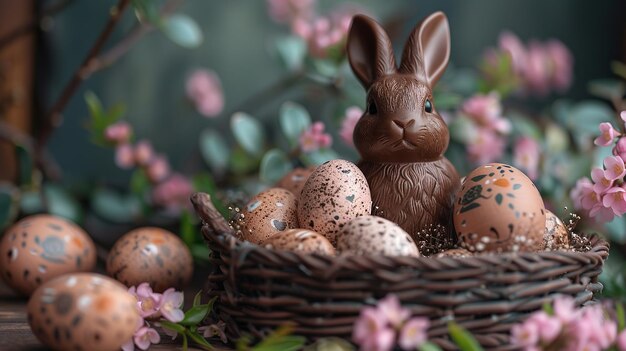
404, 124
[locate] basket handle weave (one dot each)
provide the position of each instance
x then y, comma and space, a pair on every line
213, 222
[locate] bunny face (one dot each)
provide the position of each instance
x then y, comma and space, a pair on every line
401, 123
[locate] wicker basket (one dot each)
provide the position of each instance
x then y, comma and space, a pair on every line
260, 289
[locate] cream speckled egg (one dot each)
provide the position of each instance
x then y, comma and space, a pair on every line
270, 212
294, 181
454, 253
83, 311
499, 210
300, 240
336, 193
151, 255
41, 247
371, 235
556, 236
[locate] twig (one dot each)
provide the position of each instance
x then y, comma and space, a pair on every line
34, 24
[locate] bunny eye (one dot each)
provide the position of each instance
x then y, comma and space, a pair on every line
371, 108
428, 106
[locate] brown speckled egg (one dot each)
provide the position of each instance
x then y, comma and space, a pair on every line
499, 210
454, 253
294, 181
371, 235
151, 255
270, 212
302, 241
336, 193
41, 247
556, 236
83, 311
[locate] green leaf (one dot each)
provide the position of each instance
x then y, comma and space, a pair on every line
197, 300
281, 340
94, 105
183, 30
318, 157
242, 163
294, 119
199, 339
139, 183
196, 314
61, 203
187, 229
25, 165
291, 51
172, 326
557, 139
615, 229
116, 207
200, 253
429, 346
248, 132
274, 165
31, 202
147, 10
607, 88
462, 338
204, 182
185, 342
619, 68
214, 149
330, 344
620, 316
326, 68
547, 308
522, 125
447, 101
9, 204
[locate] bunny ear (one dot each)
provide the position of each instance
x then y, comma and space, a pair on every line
369, 50
427, 51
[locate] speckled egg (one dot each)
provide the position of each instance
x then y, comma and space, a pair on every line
335, 193
371, 235
41, 247
83, 311
499, 210
270, 212
454, 253
294, 181
302, 241
152, 255
556, 236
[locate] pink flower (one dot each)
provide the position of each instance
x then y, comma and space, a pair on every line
601, 182
118, 133
213, 330
526, 156
621, 341
622, 116
536, 74
486, 111
314, 138
561, 63
370, 331
549, 327
582, 188
620, 148
525, 335
285, 11
615, 168
145, 336
607, 136
392, 311
601, 214
158, 169
512, 45
413, 333
615, 198
130, 344
564, 309
353, 114
170, 305
124, 156
485, 147
173, 192
147, 300
204, 89
143, 152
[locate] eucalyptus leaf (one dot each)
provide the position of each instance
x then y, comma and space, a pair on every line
214, 149
31, 202
325, 68
294, 119
318, 157
462, 338
248, 132
274, 165
116, 207
616, 229
61, 203
524, 126
291, 51
183, 30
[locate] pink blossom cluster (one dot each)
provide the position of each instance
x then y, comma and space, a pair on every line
540, 66
380, 328
351, 118
151, 305
568, 329
604, 195
487, 140
314, 138
170, 189
204, 89
526, 156
321, 33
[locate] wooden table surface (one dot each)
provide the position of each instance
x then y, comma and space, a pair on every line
15, 334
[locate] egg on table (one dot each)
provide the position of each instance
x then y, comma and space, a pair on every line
302, 241
372, 235
83, 311
294, 181
41, 247
270, 212
556, 236
335, 193
499, 210
151, 255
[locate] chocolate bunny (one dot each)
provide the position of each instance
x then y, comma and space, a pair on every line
401, 137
